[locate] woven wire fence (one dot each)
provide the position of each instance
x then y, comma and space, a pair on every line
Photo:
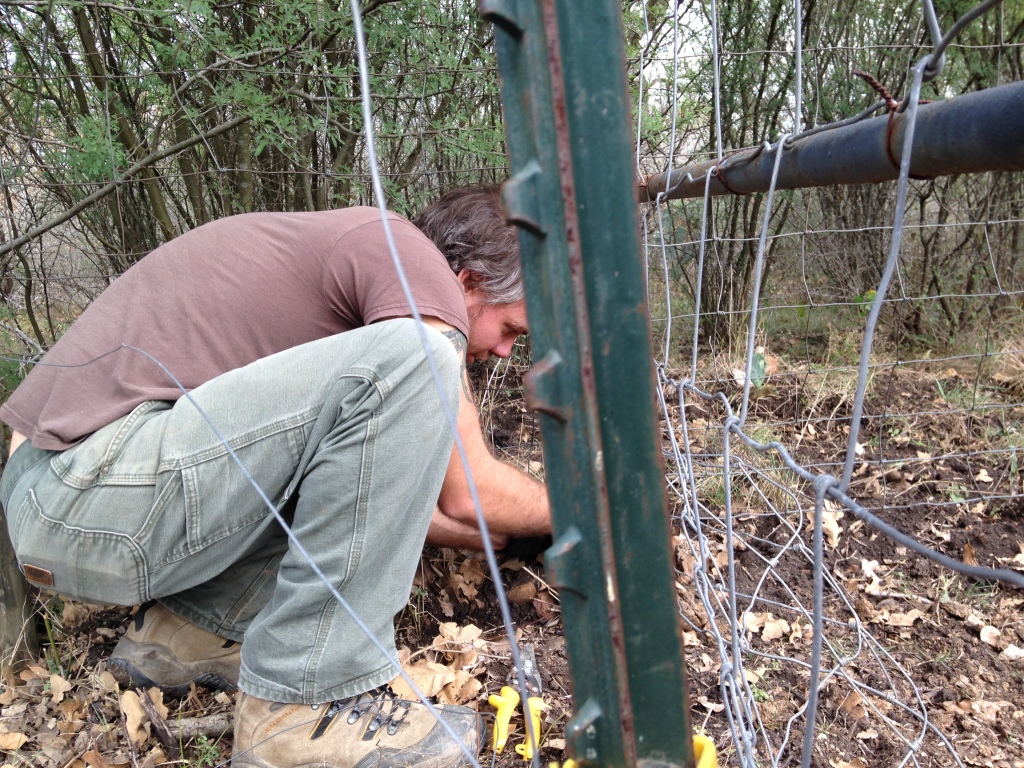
759, 304
833, 363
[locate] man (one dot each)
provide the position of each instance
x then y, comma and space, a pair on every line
291, 333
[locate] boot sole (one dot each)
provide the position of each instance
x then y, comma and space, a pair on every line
130, 675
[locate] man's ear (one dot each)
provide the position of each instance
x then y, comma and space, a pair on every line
470, 280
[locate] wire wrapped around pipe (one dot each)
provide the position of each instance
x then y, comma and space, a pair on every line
973, 133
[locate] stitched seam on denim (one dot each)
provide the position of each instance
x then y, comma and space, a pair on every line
18, 467
255, 587
190, 497
160, 504
271, 690
362, 506
365, 682
124, 479
15, 531
62, 462
122, 434
241, 441
183, 554
137, 553
323, 631
360, 512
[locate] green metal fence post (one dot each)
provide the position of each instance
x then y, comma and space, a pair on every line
572, 193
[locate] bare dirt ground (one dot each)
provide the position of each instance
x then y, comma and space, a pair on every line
960, 639
936, 468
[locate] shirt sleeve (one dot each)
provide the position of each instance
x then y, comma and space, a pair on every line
362, 284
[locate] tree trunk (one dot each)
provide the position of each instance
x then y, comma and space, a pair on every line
18, 641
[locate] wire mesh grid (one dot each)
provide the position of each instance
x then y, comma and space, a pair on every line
813, 363
755, 530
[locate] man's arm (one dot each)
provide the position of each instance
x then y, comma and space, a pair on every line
447, 532
513, 502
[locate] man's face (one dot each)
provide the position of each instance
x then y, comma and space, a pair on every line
493, 328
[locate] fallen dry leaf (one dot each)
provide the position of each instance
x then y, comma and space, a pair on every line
136, 719
721, 557
968, 558
33, 672
897, 619
990, 635
774, 629
95, 760
463, 688
799, 632
871, 568
74, 613
446, 605
468, 578
830, 525
459, 645
546, 605
983, 476
156, 698
12, 741
707, 704
449, 631
857, 762
429, 676
58, 687
988, 711
752, 622
107, 682
853, 705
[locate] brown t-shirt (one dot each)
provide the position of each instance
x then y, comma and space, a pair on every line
219, 297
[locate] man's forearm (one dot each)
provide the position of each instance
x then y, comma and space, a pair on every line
513, 502
447, 532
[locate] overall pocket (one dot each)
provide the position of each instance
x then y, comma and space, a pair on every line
90, 462
101, 566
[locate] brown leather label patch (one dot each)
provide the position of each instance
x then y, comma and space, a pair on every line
37, 575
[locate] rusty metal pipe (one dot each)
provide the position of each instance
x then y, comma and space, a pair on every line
973, 133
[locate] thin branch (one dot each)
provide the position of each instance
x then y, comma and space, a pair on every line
101, 193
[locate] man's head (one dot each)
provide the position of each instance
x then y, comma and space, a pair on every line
468, 227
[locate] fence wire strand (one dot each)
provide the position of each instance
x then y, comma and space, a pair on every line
379, 196
843, 649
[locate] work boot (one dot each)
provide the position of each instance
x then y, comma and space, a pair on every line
163, 650
375, 729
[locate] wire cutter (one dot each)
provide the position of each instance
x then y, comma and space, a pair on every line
508, 700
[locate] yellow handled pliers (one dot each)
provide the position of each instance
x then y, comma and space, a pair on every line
506, 703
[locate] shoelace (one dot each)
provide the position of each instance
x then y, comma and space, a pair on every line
383, 699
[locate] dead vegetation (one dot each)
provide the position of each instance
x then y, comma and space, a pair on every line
928, 466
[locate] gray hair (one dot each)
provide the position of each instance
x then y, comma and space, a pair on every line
468, 227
